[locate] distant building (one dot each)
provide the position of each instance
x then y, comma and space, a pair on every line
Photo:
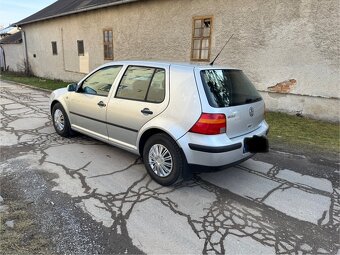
12, 55
289, 49
8, 31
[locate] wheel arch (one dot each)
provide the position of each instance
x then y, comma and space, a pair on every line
150, 132
146, 135
56, 101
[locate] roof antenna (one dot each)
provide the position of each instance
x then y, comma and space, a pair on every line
212, 62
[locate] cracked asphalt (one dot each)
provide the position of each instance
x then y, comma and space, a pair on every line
89, 197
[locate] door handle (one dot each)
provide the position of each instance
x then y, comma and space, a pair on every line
146, 111
101, 104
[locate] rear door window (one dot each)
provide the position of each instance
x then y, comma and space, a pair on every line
225, 88
156, 91
142, 84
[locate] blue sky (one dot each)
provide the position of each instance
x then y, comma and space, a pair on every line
15, 10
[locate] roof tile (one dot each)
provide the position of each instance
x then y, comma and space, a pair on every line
67, 7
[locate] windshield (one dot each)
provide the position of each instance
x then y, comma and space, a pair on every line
228, 88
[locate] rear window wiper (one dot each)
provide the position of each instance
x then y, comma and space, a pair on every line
253, 100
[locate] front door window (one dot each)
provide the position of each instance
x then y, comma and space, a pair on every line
101, 81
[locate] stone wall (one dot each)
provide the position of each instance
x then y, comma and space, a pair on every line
288, 48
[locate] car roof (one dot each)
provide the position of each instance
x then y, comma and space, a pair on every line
165, 64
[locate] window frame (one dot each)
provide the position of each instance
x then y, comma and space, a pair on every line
108, 43
147, 92
83, 48
54, 48
201, 38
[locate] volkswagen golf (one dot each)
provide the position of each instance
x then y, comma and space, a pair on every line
175, 116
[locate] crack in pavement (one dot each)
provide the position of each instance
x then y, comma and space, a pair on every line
136, 162
280, 187
302, 187
262, 223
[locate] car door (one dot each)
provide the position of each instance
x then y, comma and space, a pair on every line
88, 105
140, 96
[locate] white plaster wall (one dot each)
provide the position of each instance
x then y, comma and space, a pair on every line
273, 41
313, 107
15, 57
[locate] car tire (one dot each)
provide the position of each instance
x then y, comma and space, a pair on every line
60, 120
163, 159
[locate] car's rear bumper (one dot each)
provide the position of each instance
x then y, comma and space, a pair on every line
217, 150
199, 168
210, 149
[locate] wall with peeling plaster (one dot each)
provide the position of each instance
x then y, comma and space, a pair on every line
274, 42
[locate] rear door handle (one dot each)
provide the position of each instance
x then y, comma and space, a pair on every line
101, 104
146, 111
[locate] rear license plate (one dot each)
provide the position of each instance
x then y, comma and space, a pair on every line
255, 144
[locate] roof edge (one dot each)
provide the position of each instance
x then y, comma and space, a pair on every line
74, 12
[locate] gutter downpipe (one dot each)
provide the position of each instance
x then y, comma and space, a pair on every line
62, 46
27, 69
4, 55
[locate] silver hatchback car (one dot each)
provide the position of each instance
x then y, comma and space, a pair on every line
175, 116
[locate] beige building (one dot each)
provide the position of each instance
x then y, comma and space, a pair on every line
288, 48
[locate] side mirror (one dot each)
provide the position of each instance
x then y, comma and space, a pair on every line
72, 87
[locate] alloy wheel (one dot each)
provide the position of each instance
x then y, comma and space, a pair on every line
160, 160
59, 121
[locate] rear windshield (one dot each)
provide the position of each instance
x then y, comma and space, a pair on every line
228, 88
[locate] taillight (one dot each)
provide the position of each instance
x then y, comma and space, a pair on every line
210, 124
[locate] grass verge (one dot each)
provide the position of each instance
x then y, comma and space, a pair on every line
34, 81
308, 134
23, 237
286, 130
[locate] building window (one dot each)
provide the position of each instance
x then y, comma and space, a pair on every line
201, 38
54, 48
108, 45
80, 44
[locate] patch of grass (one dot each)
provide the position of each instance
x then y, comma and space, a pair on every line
34, 81
23, 237
310, 134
